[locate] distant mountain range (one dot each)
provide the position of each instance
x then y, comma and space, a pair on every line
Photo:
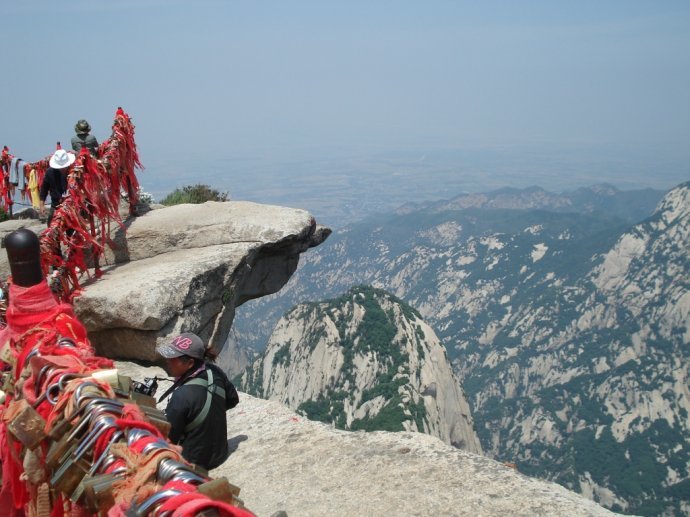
567, 323
606, 206
631, 206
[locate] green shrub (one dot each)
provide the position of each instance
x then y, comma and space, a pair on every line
194, 194
282, 355
390, 418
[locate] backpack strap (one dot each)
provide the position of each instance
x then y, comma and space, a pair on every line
210, 390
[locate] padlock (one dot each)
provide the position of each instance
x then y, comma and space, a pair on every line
60, 450
8, 382
73, 469
143, 400
78, 492
100, 425
96, 464
153, 411
110, 376
69, 475
220, 489
6, 355
124, 385
87, 390
160, 423
99, 462
60, 427
98, 492
34, 468
27, 426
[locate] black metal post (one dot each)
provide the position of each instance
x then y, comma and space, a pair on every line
24, 255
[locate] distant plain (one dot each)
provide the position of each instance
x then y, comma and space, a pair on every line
341, 186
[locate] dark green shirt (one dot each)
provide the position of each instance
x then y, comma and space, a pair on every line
85, 140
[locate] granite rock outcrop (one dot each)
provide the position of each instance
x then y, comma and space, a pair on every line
186, 268
283, 461
366, 360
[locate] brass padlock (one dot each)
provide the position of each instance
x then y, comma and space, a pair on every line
96, 465
60, 450
153, 411
143, 400
69, 475
61, 427
72, 471
123, 388
160, 423
98, 492
27, 426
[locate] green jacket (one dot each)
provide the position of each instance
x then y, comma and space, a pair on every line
87, 140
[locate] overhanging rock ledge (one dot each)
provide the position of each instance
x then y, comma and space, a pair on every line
186, 268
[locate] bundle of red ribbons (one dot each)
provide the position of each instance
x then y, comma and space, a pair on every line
79, 230
74, 439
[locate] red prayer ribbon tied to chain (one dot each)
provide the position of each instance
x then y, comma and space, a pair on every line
51, 372
82, 222
46, 359
79, 230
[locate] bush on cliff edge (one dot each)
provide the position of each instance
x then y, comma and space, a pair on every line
194, 194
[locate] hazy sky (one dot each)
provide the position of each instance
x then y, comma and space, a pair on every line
280, 79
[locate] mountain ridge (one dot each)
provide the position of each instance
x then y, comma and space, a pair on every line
629, 205
365, 360
540, 312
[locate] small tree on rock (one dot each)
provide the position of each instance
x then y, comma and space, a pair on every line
194, 194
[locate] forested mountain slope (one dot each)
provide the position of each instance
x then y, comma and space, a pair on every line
365, 360
570, 332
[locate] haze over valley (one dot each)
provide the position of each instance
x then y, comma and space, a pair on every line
341, 186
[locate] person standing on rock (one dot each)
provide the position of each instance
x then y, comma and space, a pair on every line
199, 399
84, 139
55, 181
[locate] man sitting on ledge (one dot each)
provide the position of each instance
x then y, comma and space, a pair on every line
200, 397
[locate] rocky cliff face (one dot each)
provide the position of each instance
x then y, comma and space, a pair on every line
596, 369
569, 332
364, 361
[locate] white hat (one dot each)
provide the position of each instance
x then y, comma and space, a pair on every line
61, 159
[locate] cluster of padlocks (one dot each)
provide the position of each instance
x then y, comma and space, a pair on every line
75, 439
101, 445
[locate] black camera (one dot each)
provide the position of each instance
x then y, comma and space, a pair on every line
148, 387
